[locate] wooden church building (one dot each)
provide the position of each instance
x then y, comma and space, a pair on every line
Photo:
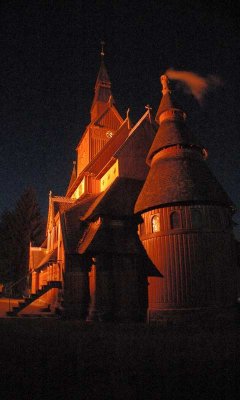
144, 230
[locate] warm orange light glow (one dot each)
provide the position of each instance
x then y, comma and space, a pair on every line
109, 177
80, 190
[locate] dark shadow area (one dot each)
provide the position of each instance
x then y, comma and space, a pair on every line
53, 359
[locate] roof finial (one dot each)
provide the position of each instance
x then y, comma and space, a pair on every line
102, 51
149, 108
50, 194
164, 81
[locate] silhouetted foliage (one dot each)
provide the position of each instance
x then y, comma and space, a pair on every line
17, 229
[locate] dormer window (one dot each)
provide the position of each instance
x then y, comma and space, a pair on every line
175, 220
155, 223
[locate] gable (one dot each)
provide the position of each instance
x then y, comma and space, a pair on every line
132, 154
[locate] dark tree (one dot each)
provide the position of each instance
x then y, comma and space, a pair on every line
17, 229
8, 247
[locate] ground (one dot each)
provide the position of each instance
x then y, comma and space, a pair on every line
55, 359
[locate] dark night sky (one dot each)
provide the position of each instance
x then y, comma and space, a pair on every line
49, 63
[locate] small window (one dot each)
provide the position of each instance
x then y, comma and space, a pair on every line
175, 221
155, 223
196, 219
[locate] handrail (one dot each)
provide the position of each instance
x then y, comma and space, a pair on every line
10, 287
19, 280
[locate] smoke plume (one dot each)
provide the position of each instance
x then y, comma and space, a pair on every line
196, 84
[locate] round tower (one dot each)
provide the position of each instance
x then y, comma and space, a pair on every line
187, 221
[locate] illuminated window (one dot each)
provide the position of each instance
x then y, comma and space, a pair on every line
196, 219
109, 134
175, 221
155, 223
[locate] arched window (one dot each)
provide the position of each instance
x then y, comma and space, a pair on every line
155, 223
196, 218
175, 221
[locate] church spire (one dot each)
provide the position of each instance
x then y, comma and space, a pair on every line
178, 171
171, 118
102, 88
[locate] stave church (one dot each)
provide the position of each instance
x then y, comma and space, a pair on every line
144, 231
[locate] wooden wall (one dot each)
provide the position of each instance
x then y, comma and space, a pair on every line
198, 263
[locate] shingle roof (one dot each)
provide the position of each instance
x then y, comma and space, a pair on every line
49, 257
72, 226
171, 133
61, 206
168, 101
103, 76
107, 237
178, 170
102, 86
117, 200
180, 179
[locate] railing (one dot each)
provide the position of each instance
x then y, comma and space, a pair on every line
55, 275
9, 288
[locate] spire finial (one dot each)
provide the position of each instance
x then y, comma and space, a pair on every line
102, 45
50, 194
148, 107
164, 81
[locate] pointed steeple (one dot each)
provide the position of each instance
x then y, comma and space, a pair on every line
178, 170
171, 118
102, 90
73, 175
168, 103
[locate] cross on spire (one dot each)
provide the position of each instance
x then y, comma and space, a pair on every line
148, 107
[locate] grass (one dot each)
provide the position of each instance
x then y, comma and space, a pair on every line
54, 359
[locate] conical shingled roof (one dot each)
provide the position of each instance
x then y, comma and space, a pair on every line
173, 129
178, 173
171, 133
102, 87
168, 101
180, 180
103, 77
